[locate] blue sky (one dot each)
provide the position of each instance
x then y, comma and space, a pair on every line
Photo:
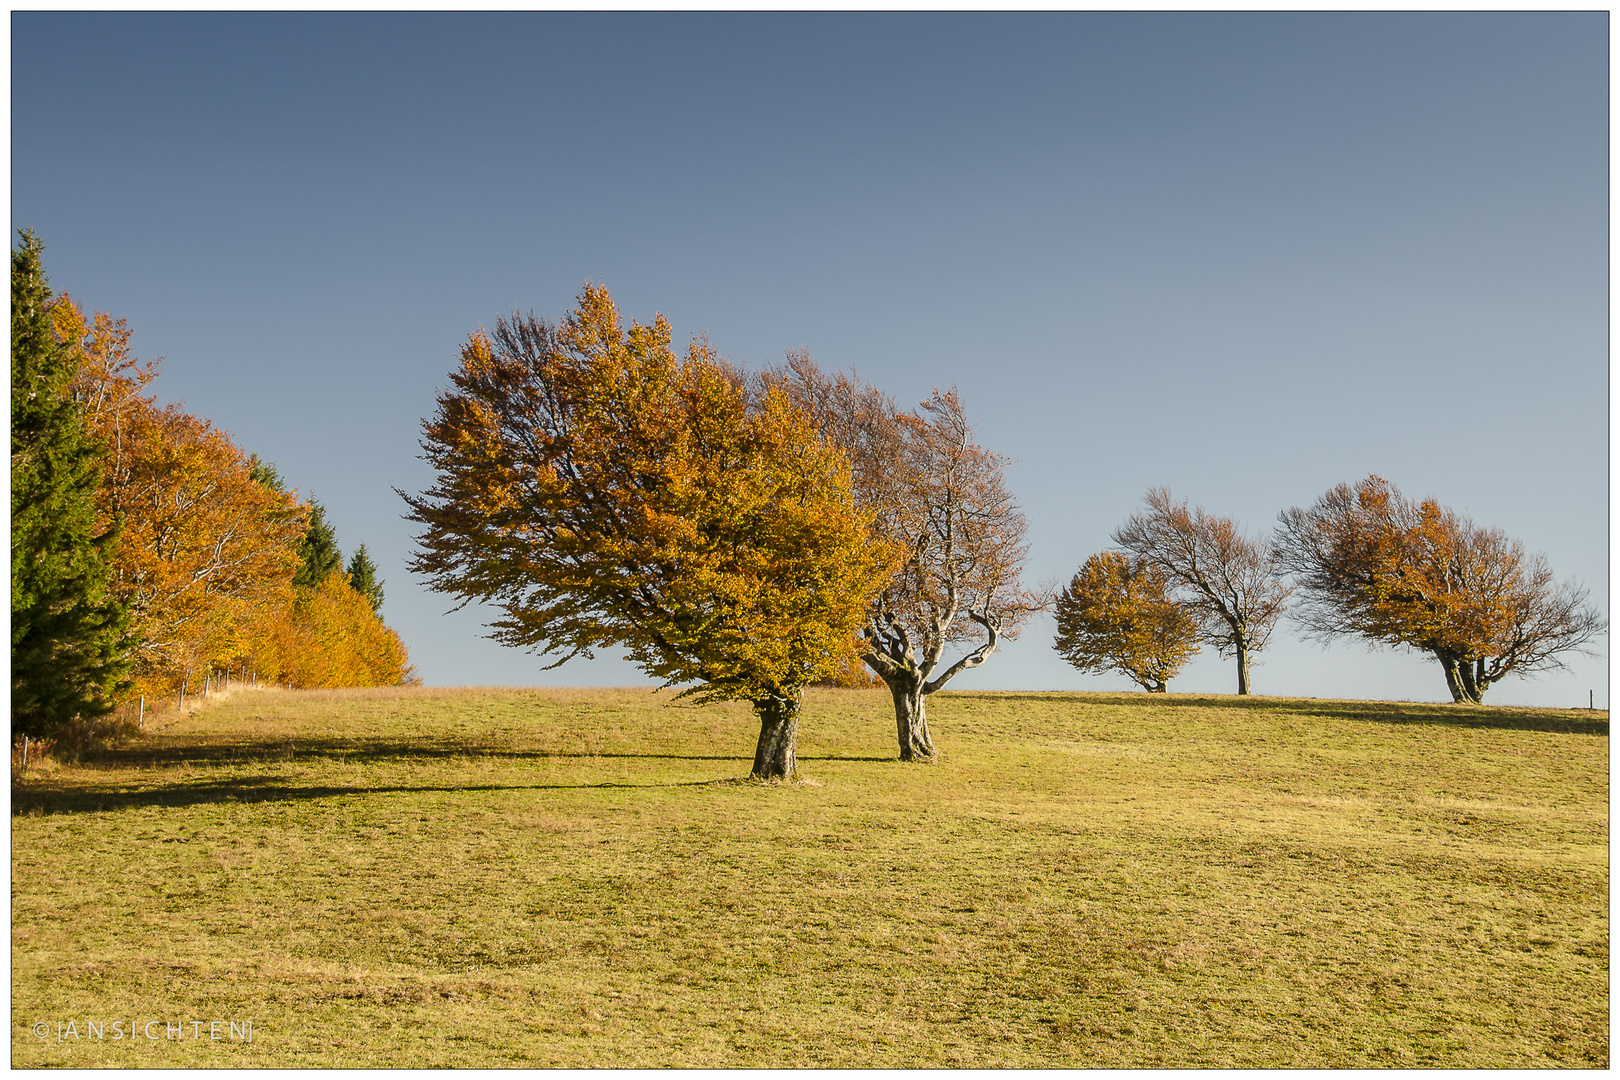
1244, 256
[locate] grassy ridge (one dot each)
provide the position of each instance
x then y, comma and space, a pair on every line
437, 877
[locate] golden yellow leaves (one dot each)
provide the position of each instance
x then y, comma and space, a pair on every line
1116, 614
603, 490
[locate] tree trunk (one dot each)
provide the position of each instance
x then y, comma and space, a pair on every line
1243, 665
1449, 666
1472, 692
1480, 682
911, 718
1460, 680
1157, 688
776, 757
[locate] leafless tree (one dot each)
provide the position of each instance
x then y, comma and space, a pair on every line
943, 496
1228, 579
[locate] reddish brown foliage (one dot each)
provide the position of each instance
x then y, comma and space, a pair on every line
1376, 564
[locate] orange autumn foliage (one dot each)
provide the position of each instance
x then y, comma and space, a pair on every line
599, 489
329, 636
205, 552
852, 675
1417, 574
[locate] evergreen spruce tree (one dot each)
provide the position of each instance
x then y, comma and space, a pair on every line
318, 548
70, 639
265, 473
363, 578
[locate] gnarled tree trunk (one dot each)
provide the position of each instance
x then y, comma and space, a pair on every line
894, 662
1469, 672
776, 757
1449, 666
1242, 647
1464, 678
911, 718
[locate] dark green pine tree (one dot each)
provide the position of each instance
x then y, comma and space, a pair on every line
363, 577
70, 640
265, 473
318, 549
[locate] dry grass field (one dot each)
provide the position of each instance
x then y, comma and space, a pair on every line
583, 878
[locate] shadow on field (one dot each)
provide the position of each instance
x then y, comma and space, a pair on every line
1559, 721
90, 798
347, 750
200, 752
79, 791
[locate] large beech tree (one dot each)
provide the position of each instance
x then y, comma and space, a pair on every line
941, 498
1373, 563
1229, 580
206, 551
1117, 615
601, 490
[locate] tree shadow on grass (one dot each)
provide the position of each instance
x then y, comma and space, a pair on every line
1555, 721
79, 791
144, 754
1558, 721
354, 751
245, 790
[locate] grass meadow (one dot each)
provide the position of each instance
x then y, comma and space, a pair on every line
432, 877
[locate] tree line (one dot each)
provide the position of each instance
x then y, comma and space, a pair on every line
1365, 561
148, 550
744, 535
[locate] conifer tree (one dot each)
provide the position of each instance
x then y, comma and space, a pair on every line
265, 472
318, 549
363, 578
69, 638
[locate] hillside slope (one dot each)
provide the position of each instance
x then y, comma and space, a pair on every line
423, 877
